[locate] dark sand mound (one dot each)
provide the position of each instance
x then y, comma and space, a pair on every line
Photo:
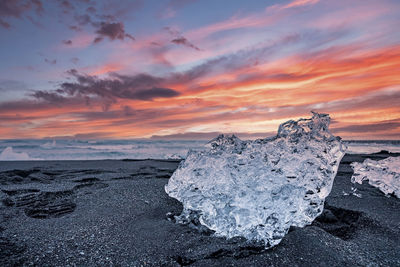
114, 213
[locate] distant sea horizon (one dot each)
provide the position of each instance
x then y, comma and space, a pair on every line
151, 148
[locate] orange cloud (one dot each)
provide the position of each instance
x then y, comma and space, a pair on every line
359, 87
109, 67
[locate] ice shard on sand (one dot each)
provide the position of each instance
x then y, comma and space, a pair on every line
258, 189
383, 174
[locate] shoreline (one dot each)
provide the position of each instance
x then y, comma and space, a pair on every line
113, 212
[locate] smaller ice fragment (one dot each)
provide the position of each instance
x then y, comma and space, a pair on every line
383, 174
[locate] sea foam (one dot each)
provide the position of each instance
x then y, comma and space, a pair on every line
9, 154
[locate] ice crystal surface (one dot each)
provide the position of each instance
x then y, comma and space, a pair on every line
383, 174
258, 189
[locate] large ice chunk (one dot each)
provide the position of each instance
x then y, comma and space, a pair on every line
258, 189
383, 174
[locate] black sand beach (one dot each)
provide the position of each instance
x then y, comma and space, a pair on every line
113, 212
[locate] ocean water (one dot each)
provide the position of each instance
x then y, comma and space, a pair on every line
134, 149
95, 149
373, 146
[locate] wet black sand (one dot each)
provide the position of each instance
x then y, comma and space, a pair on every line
93, 213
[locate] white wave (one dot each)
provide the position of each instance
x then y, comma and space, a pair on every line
104, 147
368, 148
174, 156
49, 145
9, 154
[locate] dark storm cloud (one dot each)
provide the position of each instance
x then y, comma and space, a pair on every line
183, 41
149, 94
81, 21
66, 6
179, 39
112, 31
139, 87
105, 21
67, 42
171, 31
16, 8
50, 61
48, 96
75, 28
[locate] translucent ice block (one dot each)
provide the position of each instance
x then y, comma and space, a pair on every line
258, 189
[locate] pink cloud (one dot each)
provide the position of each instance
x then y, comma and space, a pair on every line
106, 68
235, 22
298, 3
351, 15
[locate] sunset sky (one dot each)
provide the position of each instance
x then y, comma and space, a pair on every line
193, 68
